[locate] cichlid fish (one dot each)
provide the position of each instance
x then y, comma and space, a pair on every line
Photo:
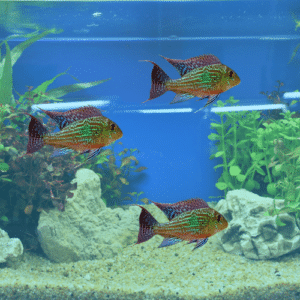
190, 220
82, 135
63, 119
203, 76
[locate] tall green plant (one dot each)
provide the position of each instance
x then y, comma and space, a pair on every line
235, 132
259, 155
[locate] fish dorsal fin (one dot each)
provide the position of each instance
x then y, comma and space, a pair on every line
185, 66
63, 119
173, 210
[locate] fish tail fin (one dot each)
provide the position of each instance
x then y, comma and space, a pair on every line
36, 132
158, 81
147, 222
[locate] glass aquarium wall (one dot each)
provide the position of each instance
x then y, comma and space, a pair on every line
229, 65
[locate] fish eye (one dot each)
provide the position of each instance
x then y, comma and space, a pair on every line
231, 73
219, 218
112, 127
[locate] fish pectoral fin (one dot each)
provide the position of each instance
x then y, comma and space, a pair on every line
94, 153
193, 241
60, 152
200, 243
169, 241
210, 100
182, 98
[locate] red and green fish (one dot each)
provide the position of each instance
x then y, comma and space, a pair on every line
83, 135
63, 119
202, 76
190, 220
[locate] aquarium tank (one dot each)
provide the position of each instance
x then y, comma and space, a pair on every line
150, 150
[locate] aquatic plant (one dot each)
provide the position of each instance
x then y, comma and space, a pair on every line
276, 98
286, 165
136, 197
298, 46
32, 183
115, 170
249, 151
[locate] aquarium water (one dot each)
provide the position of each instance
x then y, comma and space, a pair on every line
245, 140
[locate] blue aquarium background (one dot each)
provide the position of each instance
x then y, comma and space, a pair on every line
108, 40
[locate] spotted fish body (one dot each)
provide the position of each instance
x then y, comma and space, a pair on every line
82, 135
195, 224
90, 133
202, 76
63, 119
186, 223
202, 82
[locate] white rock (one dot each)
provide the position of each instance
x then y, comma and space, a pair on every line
250, 232
10, 248
87, 229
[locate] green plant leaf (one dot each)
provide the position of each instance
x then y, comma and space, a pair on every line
124, 181
218, 154
221, 185
5, 179
294, 205
4, 167
140, 169
294, 101
241, 177
66, 89
218, 166
257, 185
259, 170
214, 137
127, 160
291, 138
101, 160
41, 89
250, 185
106, 152
6, 78
279, 222
145, 200
271, 188
215, 125
4, 219
132, 193
234, 170
18, 50
231, 163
